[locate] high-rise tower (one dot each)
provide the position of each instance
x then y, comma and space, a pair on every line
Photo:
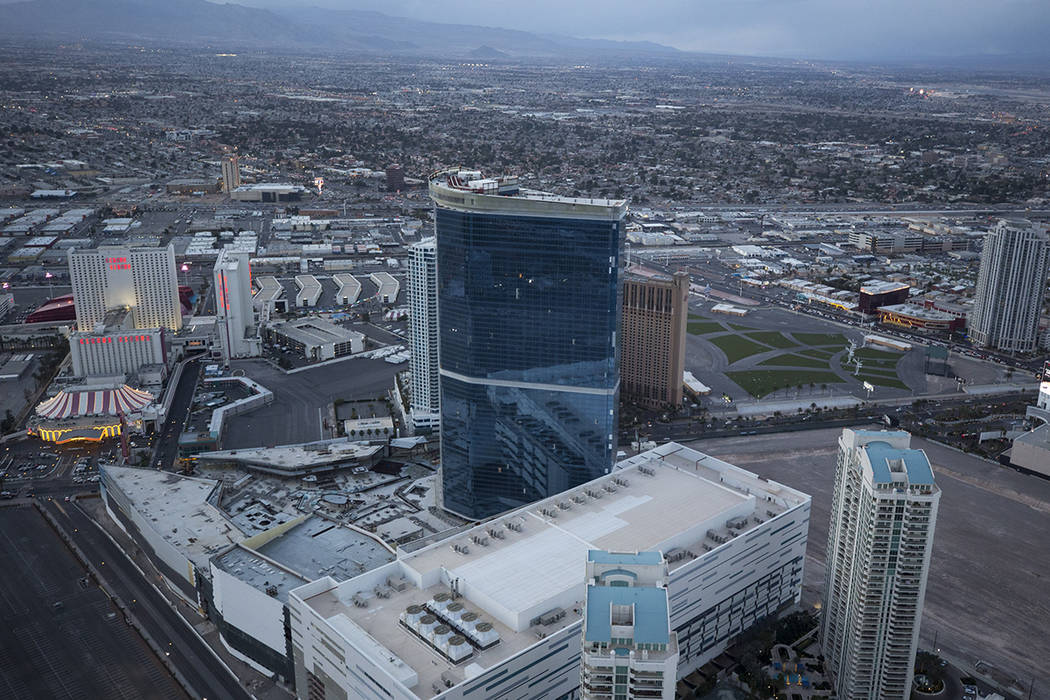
1011, 286
233, 305
529, 291
231, 173
652, 352
629, 649
140, 279
423, 334
883, 512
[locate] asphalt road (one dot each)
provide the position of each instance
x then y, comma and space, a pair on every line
168, 442
986, 597
60, 635
198, 664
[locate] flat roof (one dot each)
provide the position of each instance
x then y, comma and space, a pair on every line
318, 547
179, 506
316, 331
624, 511
916, 311
885, 460
882, 287
258, 571
650, 612
297, 456
600, 556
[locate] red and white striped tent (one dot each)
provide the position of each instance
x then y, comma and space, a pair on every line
71, 403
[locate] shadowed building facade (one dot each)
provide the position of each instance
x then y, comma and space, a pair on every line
528, 296
652, 354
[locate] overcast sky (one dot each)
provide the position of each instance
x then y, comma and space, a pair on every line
803, 28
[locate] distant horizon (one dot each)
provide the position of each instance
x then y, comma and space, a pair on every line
951, 32
793, 29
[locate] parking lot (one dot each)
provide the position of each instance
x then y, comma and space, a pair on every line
61, 637
991, 520
301, 400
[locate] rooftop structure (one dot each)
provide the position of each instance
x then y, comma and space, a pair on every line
299, 459
349, 289
309, 290
172, 516
629, 650
305, 549
715, 505
388, 286
467, 190
317, 338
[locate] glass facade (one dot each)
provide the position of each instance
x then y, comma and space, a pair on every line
529, 318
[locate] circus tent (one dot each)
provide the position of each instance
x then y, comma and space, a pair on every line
91, 401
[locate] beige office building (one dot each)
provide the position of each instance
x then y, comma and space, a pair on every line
652, 351
231, 173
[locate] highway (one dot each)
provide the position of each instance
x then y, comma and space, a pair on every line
208, 677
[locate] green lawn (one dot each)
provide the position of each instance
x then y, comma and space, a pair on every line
774, 338
758, 383
739, 327
704, 327
821, 338
737, 347
872, 354
796, 360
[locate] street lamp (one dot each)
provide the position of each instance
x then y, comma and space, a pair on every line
50, 284
185, 269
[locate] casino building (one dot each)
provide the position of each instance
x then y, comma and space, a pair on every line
92, 411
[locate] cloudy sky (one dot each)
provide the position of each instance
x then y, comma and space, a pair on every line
803, 28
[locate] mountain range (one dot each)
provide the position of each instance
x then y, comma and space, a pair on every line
229, 25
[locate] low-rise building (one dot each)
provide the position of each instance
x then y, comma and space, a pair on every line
316, 338
496, 610
919, 317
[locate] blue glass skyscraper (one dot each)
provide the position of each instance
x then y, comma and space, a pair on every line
529, 291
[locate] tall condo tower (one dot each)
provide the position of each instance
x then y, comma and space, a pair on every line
1011, 286
233, 305
529, 289
629, 649
883, 512
140, 279
423, 334
231, 173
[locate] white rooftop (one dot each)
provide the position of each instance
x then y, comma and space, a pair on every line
178, 506
664, 499
297, 456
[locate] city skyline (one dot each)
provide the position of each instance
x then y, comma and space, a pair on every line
346, 355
